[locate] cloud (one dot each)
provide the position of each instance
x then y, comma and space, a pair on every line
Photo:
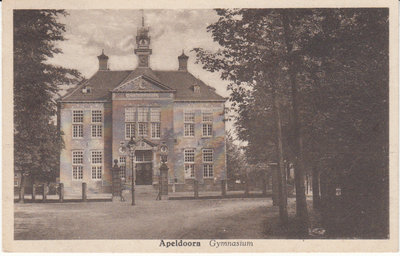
90, 31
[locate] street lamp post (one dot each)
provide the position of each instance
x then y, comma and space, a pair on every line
132, 147
163, 181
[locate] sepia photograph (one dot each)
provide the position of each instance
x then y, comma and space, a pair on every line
192, 127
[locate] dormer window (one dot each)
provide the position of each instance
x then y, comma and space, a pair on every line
196, 88
86, 90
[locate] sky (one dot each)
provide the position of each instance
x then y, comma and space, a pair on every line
171, 31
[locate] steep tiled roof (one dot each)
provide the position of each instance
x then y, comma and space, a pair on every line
183, 82
102, 82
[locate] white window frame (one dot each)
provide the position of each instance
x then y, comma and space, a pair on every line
79, 172
189, 161
97, 172
77, 163
207, 130
208, 170
96, 130
206, 152
207, 116
96, 159
132, 127
155, 130
155, 115
78, 133
143, 114
190, 167
189, 117
140, 134
95, 117
79, 159
207, 123
208, 160
130, 115
73, 116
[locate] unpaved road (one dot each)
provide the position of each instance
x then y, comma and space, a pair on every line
149, 219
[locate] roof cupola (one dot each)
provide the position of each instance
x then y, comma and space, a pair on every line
143, 50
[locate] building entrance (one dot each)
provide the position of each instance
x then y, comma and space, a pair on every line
144, 167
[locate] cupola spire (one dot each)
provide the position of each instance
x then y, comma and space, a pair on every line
142, 49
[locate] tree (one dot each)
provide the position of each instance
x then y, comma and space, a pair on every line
37, 141
252, 44
330, 70
235, 160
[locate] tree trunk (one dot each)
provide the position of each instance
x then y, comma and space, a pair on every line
315, 187
301, 202
33, 188
22, 189
275, 185
283, 214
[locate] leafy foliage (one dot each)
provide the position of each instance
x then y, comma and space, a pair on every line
330, 66
37, 142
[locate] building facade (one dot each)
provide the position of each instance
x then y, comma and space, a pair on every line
100, 115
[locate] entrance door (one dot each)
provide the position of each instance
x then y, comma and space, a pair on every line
144, 174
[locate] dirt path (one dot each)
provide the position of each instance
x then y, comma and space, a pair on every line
149, 219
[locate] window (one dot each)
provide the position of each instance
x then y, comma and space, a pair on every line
77, 127
207, 124
189, 170
155, 115
207, 130
189, 156
97, 116
208, 158
129, 130
77, 131
122, 166
96, 172
97, 131
155, 118
77, 162
77, 172
97, 161
77, 116
196, 88
207, 155
77, 157
155, 130
142, 129
189, 117
97, 157
189, 124
208, 171
144, 156
142, 115
207, 117
189, 130
130, 114
189, 163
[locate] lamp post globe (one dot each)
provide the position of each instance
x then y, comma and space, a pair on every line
164, 152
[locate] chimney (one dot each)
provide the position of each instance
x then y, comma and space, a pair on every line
103, 60
183, 61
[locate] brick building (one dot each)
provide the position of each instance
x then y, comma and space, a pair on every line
154, 107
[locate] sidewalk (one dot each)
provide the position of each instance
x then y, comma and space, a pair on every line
215, 195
